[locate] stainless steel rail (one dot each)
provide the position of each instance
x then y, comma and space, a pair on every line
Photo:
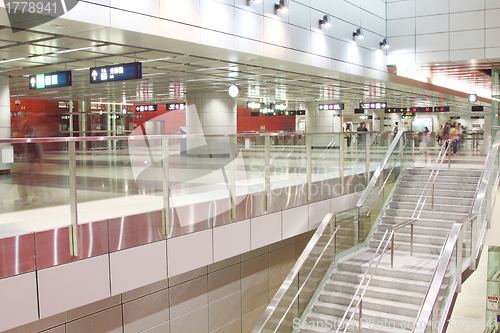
392, 231
266, 316
432, 294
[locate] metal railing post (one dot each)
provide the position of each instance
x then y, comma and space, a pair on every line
411, 241
308, 166
392, 249
459, 259
267, 173
341, 165
166, 197
367, 159
432, 197
73, 229
232, 177
360, 312
449, 155
473, 245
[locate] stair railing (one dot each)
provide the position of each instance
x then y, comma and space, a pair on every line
391, 232
433, 310
264, 321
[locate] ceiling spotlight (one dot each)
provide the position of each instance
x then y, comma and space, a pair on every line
325, 21
282, 5
358, 34
384, 44
233, 91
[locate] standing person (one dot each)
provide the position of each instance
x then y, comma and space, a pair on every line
454, 137
425, 139
446, 130
362, 137
395, 130
440, 134
348, 135
459, 135
30, 157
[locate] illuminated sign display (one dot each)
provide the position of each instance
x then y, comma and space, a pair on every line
395, 110
52, 80
145, 108
134, 116
280, 107
119, 72
377, 105
254, 105
339, 106
176, 106
441, 109
477, 108
301, 112
17, 114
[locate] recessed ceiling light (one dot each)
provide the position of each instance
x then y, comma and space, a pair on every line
58, 26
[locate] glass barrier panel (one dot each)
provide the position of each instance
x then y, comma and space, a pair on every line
303, 287
325, 157
35, 189
347, 237
467, 242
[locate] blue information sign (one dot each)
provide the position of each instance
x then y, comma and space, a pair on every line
51, 80
119, 72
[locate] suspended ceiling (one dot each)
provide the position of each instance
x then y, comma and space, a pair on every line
167, 76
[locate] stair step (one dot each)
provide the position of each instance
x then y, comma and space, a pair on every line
462, 179
437, 199
428, 207
418, 229
445, 172
452, 216
439, 192
417, 238
421, 222
375, 292
419, 186
405, 247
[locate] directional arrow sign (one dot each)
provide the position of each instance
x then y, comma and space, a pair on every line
50, 80
94, 74
119, 72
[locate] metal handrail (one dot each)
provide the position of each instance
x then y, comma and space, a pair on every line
266, 316
169, 136
391, 239
436, 281
379, 169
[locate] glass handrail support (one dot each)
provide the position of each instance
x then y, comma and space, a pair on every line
287, 304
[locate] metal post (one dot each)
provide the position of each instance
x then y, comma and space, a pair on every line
459, 259
360, 312
267, 173
432, 196
367, 159
308, 166
473, 245
73, 229
166, 196
392, 249
341, 165
232, 177
411, 241
449, 155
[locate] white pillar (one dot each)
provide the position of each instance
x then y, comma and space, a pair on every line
322, 121
210, 113
7, 153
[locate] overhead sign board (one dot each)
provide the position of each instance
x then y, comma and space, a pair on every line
441, 109
254, 105
477, 108
51, 80
130, 71
146, 108
376, 105
338, 106
176, 106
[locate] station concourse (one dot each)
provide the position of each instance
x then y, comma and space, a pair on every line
178, 166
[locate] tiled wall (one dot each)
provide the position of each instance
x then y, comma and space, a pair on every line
225, 297
251, 28
426, 31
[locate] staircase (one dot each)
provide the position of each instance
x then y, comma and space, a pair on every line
395, 295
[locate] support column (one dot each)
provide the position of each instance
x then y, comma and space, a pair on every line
108, 124
322, 121
210, 113
82, 111
495, 100
71, 127
6, 158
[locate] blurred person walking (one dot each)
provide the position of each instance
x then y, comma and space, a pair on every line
29, 158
